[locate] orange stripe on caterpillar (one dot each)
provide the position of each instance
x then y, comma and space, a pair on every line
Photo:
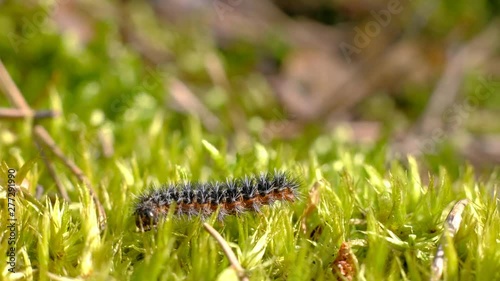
233, 197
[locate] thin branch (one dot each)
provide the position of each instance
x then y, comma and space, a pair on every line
52, 172
452, 224
11, 91
16, 98
14, 113
235, 264
47, 140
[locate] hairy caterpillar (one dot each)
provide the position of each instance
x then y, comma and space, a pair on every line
231, 197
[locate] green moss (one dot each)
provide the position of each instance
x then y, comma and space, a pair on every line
390, 214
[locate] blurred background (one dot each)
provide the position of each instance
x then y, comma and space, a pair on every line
421, 77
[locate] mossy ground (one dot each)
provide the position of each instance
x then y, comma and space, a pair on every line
390, 210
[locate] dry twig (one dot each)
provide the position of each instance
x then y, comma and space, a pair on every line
43, 136
452, 224
13, 113
12, 92
235, 264
52, 172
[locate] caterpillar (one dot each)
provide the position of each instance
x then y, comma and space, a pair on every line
230, 197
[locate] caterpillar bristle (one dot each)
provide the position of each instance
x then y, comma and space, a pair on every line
230, 197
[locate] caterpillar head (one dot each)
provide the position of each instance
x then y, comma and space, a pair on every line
145, 217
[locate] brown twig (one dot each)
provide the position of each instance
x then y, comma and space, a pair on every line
52, 172
47, 140
235, 264
12, 92
14, 113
